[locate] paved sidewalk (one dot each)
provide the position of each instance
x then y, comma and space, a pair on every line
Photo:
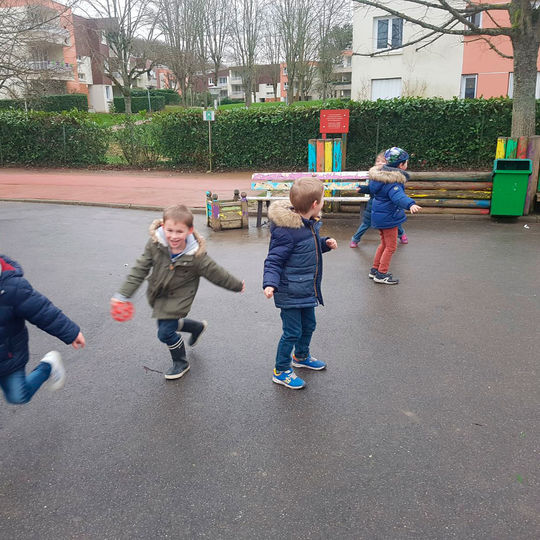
146, 189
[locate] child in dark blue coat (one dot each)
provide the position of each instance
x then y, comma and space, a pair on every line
366, 216
386, 184
19, 302
293, 273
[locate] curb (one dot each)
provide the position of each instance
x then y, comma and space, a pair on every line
345, 215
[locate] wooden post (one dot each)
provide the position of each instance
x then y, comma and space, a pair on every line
245, 212
511, 148
336, 163
521, 152
533, 153
343, 152
320, 155
328, 155
312, 155
500, 152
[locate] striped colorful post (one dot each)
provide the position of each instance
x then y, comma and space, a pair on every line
312, 155
320, 155
336, 166
328, 155
511, 148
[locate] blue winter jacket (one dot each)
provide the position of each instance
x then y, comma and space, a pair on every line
19, 302
386, 184
294, 262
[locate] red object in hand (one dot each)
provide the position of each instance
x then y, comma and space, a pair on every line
122, 311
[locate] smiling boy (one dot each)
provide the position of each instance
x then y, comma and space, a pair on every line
177, 256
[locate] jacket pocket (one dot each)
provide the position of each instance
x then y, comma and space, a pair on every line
301, 286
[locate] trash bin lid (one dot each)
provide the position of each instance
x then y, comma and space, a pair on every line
513, 165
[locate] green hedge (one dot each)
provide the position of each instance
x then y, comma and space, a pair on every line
139, 103
41, 138
437, 133
172, 97
65, 102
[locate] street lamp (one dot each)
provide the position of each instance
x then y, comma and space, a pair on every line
214, 92
148, 88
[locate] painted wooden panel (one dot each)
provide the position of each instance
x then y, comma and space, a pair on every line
328, 155
312, 155
533, 153
500, 151
337, 156
511, 148
291, 176
521, 152
320, 155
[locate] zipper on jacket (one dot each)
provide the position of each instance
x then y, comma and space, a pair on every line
316, 264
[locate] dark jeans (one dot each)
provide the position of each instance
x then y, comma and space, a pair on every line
19, 388
168, 329
298, 327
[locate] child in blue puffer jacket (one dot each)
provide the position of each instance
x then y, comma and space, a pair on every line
293, 273
19, 302
386, 184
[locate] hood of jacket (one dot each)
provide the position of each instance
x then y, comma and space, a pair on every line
9, 267
282, 214
157, 234
388, 175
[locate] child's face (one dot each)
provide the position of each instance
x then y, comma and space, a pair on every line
380, 161
176, 233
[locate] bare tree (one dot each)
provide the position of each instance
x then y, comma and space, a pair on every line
218, 17
124, 25
522, 29
272, 51
246, 30
181, 24
20, 37
294, 20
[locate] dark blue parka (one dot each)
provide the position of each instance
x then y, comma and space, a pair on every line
386, 184
294, 262
19, 302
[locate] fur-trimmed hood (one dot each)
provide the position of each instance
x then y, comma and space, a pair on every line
388, 175
282, 214
158, 236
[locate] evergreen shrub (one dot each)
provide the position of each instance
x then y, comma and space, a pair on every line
139, 103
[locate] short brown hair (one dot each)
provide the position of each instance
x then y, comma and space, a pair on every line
304, 192
180, 213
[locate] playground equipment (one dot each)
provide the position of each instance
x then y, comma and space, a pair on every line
227, 214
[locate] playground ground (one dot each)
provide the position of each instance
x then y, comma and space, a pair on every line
425, 424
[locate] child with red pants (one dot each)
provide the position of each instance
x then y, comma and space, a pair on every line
386, 185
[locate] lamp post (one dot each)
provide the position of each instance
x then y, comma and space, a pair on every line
214, 92
148, 88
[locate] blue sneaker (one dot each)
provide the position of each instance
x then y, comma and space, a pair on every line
289, 379
309, 363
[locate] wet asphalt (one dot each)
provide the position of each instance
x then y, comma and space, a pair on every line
425, 424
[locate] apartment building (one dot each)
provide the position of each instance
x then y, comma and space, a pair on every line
383, 69
46, 53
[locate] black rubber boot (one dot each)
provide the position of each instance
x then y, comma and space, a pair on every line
180, 365
195, 328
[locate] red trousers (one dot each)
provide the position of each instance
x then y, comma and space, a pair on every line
386, 249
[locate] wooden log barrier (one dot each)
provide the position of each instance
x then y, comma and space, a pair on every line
446, 194
451, 176
455, 203
480, 186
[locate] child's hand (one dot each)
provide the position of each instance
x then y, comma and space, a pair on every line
415, 208
243, 286
331, 243
269, 292
79, 342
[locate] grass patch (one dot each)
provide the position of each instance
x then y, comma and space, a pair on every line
112, 119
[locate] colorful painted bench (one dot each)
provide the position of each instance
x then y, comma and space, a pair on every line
276, 186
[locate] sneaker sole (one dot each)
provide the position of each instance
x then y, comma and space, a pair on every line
205, 326
385, 282
56, 364
371, 276
295, 364
283, 383
178, 375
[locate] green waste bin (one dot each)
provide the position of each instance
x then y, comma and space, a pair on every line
510, 180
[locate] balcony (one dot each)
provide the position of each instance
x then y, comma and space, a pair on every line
55, 69
50, 33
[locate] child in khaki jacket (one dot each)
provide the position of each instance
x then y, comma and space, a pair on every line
177, 256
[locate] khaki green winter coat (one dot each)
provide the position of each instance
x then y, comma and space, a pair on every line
172, 286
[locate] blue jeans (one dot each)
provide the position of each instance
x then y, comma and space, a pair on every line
167, 329
366, 224
19, 388
298, 327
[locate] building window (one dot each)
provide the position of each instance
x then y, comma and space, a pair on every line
211, 81
286, 86
347, 61
385, 88
476, 19
223, 80
468, 86
108, 93
511, 85
284, 70
388, 32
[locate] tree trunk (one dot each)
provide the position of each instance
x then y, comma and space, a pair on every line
127, 102
524, 102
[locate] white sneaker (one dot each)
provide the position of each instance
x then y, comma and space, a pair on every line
57, 377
